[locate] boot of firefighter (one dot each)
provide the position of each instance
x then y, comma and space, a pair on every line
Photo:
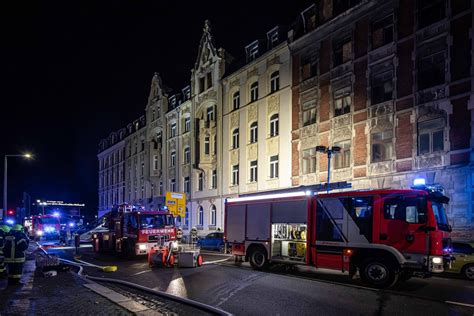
14, 273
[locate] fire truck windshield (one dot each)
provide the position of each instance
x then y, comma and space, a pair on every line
155, 221
48, 220
440, 215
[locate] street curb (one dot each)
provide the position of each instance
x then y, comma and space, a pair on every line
121, 300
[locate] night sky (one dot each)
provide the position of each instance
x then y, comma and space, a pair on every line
73, 71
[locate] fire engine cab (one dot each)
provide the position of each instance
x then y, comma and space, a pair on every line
385, 235
132, 232
47, 226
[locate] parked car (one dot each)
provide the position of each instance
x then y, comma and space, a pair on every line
213, 241
463, 251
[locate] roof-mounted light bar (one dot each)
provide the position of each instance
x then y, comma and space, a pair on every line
269, 196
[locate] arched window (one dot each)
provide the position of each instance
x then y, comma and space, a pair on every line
274, 125
236, 100
200, 216
275, 81
235, 138
254, 91
253, 132
212, 215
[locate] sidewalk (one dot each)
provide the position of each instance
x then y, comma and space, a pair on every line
63, 294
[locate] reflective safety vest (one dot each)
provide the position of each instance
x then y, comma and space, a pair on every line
14, 248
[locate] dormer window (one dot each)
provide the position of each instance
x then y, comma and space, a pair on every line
252, 51
273, 37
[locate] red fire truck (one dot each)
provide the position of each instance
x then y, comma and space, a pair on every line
131, 232
47, 226
386, 235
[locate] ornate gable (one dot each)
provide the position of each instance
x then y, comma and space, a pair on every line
207, 50
156, 90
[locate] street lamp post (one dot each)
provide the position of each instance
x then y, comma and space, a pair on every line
329, 152
5, 182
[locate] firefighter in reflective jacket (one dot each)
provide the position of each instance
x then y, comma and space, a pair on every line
4, 229
16, 243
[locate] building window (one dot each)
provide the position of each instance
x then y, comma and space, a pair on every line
431, 136
252, 51
212, 215
155, 162
253, 132
382, 146
200, 215
381, 87
209, 80
200, 181
340, 6
382, 32
160, 188
210, 114
342, 105
274, 125
275, 81
173, 130
201, 84
235, 138
214, 142
431, 64
343, 158
309, 113
187, 187
187, 124
173, 185
430, 11
235, 174
187, 155
206, 145
236, 100
308, 67
309, 161
214, 179
274, 167
342, 51
254, 91
173, 159
253, 171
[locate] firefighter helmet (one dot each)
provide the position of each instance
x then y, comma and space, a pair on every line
17, 227
5, 228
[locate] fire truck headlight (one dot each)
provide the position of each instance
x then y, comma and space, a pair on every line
39, 233
437, 260
142, 247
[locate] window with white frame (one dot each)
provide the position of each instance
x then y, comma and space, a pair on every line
235, 138
274, 167
253, 132
253, 171
274, 125
215, 144
254, 91
187, 155
309, 113
275, 81
200, 181
155, 162
173, 159
236, 100
173, 130
200, 215
210, 114
343, 158
173, 185
235, 174
206, 145
214, 179
212, 215
187, 185
187, 124
342, 101
431, 136
308, 161
382, 145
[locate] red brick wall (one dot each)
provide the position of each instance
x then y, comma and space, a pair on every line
295, 108
325, 56
360, 85
360, 145
404, 104
324, 103
360, 37
405, 69
406, 18
404, 134
323, 160
459, 158
295, 166
460, 123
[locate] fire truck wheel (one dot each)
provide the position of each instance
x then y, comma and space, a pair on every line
258, 258
378, 273
468, 271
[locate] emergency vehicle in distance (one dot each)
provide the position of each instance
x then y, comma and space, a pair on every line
386, 235
47, 226
131, 232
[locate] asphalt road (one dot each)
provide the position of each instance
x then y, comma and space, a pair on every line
242, 291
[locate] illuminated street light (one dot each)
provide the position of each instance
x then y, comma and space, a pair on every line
5, 182
329, 152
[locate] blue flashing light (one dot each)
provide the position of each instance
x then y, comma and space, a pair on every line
56, 214
419, 182
10, 221
308, 193
71, 224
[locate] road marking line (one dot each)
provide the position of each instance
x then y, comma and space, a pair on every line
458, 303
141, 272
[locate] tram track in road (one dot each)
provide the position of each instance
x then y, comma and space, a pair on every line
356, 286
